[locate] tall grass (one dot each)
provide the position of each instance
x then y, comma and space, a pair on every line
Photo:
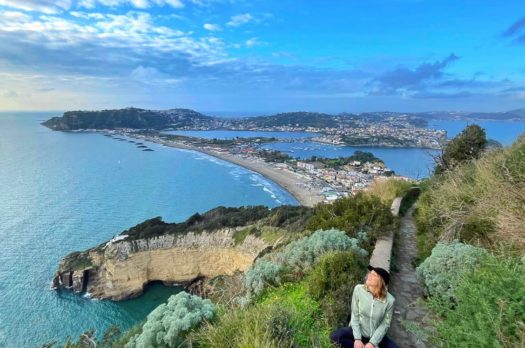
389, 189
481, 202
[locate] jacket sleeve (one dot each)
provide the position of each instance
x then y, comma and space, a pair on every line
381, 330
354, 321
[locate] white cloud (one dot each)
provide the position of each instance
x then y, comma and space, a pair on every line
212, 27
139, 4
252, 42
10, 94
45, 6
240, 19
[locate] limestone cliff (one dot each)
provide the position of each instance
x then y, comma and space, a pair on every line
121, 268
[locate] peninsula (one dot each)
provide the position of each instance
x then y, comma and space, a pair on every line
368, 129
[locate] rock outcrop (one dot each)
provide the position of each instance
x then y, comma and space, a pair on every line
120, 269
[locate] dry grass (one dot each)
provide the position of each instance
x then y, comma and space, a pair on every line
482, 202
389, 189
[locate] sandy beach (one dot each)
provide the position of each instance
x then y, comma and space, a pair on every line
295, 184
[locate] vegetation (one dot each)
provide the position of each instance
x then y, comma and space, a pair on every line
360, 156
470, 240
284, 317
168, 324
387, 190
466, 146
274, 156
125, 118
332, 282
297, 258
478, 201
449, 263
362, 213
286, 217
490, 307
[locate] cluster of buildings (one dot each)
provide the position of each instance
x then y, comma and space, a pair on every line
385, 135
342, 181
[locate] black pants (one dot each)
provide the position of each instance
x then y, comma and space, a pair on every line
344, 337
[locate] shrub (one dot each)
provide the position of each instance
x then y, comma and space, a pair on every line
444, 268
169, 323
361, 213
296, 258
490, 310
332, 282
302, 254
260, 275
387, 190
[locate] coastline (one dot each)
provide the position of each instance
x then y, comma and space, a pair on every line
291, 182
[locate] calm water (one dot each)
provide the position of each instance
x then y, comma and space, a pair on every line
61, 192
411, 162
227, 134
503, 131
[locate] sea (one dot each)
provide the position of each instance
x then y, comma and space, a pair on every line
61, 192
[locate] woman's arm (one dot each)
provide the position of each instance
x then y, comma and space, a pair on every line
354, 321
381, 330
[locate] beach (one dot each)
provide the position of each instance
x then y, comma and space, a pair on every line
295, 184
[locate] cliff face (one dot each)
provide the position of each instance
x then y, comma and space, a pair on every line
121, 269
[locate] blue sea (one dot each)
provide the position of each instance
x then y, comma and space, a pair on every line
61, 192
228, 134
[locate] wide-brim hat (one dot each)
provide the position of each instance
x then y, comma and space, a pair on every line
383, 273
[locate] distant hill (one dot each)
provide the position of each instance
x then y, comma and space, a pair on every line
513, 115
126, 118
296, 119
136, 118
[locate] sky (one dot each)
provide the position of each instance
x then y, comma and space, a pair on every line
241, 56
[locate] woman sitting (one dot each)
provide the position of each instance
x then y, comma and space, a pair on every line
372, 308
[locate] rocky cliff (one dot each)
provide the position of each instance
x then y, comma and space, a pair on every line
121, 268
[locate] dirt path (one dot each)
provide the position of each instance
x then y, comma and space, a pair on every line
406, 289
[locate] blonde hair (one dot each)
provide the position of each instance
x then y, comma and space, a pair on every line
383, 288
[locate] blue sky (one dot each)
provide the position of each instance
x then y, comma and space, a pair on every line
263, 56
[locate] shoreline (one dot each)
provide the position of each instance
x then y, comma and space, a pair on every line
290, 182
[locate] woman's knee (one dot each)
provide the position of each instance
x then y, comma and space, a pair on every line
343, 332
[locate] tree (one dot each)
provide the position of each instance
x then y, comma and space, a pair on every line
466, 146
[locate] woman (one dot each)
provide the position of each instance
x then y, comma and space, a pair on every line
372, 308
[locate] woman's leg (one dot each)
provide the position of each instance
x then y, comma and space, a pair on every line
344, 337
387, 343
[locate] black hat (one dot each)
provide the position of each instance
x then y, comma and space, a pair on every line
382, 272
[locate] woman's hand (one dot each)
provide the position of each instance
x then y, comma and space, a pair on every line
358, 344
370, 345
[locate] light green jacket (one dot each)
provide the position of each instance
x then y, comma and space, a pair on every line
371, 317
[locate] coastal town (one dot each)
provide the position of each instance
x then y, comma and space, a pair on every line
310, 181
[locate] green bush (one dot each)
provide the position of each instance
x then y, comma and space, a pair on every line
169, 323
361, 213
296, 258
490, 310
332, 282
282, 317
302, 254
446, 266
